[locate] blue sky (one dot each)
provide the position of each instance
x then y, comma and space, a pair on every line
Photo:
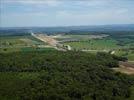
17, 13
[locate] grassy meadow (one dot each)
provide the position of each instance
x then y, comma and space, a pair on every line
89, 43
95, 44
20, 43
121, 46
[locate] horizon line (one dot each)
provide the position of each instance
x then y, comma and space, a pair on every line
64, 25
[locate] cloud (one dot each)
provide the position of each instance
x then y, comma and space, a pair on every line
91, 2
33, 2
65, 12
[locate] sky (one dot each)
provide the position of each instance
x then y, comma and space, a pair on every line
26, 13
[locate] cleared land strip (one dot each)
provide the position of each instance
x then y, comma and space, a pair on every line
46, 39
50, 40
125, 67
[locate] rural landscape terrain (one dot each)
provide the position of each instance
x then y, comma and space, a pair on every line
64, 65
66, 49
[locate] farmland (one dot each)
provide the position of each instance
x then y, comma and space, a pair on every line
101, 43
20, 43
89, 43
95, 44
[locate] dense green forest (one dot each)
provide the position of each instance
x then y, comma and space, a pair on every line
37, 61
56, 75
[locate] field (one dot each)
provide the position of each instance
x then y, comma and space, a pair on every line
127, 53
131, 56
122, 46
20, 43
125, 67
89, 43
76, 37
95, 44
132, 97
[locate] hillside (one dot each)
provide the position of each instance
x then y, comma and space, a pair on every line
66, 29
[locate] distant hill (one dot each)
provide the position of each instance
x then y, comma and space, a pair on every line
66, 29
123, 27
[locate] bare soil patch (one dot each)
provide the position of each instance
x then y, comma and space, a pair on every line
125, 67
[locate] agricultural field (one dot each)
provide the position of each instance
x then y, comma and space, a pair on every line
103, 43
128, 53
20, 43
19, 40
94, 44
132, 96
89, 43
76, 37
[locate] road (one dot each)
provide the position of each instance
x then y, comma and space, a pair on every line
45, 38
50, 40
125, 67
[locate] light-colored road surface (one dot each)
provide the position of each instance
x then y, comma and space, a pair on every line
125, 67
95, 50
50, 40
45, 38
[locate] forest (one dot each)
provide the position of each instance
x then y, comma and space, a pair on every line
59, 75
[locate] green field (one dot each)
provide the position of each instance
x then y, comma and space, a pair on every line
129, 54
95, 44
36, 49
12, 41
83, 42
121, 45
132, 94
102, 45
20, 43
80, 37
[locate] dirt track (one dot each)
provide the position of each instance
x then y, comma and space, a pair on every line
127, 64
125, 67
45, 38
50, 40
